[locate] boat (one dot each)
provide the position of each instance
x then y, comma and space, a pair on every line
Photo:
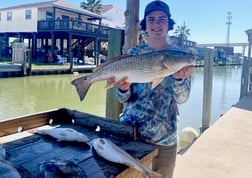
27, 150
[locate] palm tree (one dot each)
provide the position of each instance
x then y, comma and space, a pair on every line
182, 33
92, 5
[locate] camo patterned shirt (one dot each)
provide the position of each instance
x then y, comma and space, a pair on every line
154, 112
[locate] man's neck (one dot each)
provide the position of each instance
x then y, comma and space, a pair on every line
158, 44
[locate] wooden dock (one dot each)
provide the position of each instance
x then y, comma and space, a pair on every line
17, 70
8, 70
224, 149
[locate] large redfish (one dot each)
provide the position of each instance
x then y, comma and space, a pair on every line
108, 150
152, 67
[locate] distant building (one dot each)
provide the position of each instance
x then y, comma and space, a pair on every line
185, 43
228, 50
113, 17
52, 25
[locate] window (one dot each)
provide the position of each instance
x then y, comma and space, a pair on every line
49, 15
28, 14
9, 16
64, 17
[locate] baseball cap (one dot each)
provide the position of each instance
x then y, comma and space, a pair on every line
155, 6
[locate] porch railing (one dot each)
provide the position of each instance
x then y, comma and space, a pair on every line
73, 25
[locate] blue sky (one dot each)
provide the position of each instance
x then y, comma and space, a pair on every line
206, 19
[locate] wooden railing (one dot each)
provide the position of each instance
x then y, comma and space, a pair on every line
90, 29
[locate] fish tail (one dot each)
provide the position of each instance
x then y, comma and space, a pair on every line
154, 174
82, 85
33, 131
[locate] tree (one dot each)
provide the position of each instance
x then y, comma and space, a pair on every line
182, 33
92, 5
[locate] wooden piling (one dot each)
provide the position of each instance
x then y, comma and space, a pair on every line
245, 77
207, 89
113, 107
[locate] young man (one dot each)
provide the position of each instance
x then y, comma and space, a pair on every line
154, 112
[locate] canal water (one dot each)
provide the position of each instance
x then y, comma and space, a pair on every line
26, 95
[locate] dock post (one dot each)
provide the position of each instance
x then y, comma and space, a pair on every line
113, 107
24, 66
207, 89
246, 68
29, 61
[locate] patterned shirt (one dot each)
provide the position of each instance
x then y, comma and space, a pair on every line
154, 111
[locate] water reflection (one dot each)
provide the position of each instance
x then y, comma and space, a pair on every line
26, 95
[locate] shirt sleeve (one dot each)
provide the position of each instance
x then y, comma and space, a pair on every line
181, 89
123, 96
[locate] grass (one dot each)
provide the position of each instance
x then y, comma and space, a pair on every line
41, 65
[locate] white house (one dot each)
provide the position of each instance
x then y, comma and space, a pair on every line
113, 15
52, 24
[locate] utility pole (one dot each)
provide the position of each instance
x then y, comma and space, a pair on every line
229, 17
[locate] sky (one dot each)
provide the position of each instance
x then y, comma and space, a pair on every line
205, 19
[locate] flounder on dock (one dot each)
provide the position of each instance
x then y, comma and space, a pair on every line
111, 152
58, 168
63, 134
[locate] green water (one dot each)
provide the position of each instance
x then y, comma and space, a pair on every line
26, 95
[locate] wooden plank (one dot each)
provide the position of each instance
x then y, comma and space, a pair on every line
106, 125
13, 125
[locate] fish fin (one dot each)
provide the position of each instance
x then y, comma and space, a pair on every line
109, 85
82, 85
112, 60
156, 82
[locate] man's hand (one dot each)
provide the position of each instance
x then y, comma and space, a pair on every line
122, 84
184, 72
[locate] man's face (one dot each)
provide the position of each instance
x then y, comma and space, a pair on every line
157, 24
